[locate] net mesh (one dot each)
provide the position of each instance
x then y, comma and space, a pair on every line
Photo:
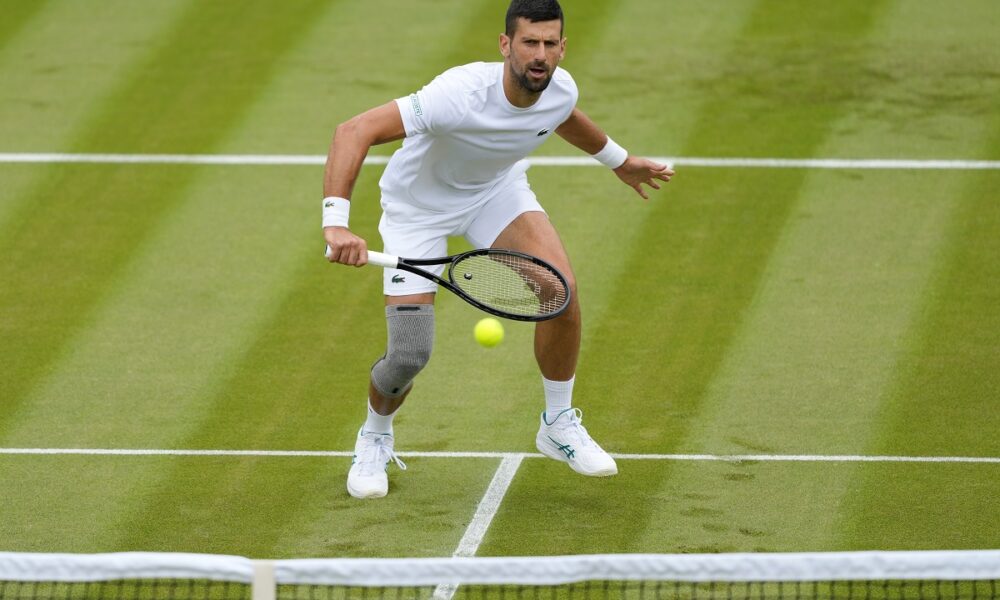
966, 575
673, 590
126, 589
510, 283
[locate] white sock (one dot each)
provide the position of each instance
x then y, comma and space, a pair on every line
558, 397
377, 423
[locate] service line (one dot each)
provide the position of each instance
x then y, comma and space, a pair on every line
903, 164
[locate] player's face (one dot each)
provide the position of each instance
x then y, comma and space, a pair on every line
534, 52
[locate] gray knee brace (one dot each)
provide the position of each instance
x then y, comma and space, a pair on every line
411, 338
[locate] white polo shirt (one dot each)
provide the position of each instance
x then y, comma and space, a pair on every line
464, 138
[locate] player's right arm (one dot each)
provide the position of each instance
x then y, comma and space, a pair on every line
348, 149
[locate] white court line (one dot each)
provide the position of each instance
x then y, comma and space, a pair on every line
487, 509
505, 455
809, 458
488, 506
539, 161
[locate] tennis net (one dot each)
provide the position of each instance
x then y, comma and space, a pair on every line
945, 575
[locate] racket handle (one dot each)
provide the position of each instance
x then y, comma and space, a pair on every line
378, 259
383, 260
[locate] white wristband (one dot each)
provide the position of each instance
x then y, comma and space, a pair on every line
336, 211
612, 155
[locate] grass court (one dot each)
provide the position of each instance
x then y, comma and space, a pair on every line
741, 311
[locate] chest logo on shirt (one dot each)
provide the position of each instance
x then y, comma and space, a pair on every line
543, 132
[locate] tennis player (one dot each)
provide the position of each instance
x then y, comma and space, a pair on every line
461, 172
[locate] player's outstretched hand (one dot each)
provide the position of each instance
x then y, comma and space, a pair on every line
344, 247
636, 171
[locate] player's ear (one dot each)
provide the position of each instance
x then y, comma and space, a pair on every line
504, 45
562, 48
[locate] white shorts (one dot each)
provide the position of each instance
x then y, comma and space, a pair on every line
413, 232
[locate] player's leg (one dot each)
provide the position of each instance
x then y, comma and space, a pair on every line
410, 339
410, 333
409, 310
525, 227
557, 341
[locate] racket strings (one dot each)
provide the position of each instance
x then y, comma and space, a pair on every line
510, 283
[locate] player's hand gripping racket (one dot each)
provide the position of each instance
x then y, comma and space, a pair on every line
504, 283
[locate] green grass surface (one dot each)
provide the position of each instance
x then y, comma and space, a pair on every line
743, 311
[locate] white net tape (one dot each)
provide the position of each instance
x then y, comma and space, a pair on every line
552, 570
16, 566
969, 565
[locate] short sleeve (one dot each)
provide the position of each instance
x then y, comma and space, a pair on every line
567, 81
437, 108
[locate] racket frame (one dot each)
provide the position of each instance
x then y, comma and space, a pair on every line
412, 265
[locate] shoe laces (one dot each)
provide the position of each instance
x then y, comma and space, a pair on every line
573, 425
375, 454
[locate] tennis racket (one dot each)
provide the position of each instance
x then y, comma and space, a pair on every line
504, 283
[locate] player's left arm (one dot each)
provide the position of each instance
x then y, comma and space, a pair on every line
583, 133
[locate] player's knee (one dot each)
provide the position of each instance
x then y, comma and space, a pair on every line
411, 340
571, 284
410, 361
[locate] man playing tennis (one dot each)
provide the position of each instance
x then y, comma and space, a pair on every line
461, 171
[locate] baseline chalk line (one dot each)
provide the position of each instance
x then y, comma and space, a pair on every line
504, 455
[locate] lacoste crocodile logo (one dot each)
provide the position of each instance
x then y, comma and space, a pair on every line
398, 279
542, 132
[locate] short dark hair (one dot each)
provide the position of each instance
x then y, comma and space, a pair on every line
534, 11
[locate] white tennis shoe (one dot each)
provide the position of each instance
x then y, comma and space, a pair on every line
372, 453
566, 439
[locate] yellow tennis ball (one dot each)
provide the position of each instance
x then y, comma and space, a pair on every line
488, 332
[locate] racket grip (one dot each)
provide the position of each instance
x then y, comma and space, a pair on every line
383, 260
377, 258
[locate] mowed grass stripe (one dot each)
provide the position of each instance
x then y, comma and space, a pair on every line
183, 99
16, 15
951, 374
930, 87
58, 70
195, 294
850, 270
694, 270
820, 342
919, 509
57, 497
944, 389
62, 66
945, 397
200, 63
818, 352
